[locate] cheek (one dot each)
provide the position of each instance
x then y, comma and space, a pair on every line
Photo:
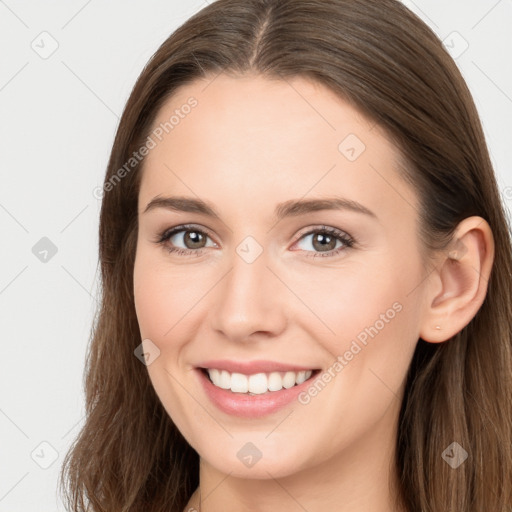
349, 303
150, 303
376, 333
373, 315
158, 314
163, 295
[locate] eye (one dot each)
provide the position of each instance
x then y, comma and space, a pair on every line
327, 241
192, 238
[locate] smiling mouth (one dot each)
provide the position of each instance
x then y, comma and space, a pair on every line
258, 383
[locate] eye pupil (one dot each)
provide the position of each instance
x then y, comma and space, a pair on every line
194, 238
325, 241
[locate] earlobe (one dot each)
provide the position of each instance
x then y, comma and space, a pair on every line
458, 286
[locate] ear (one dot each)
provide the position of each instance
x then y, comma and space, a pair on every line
458, 286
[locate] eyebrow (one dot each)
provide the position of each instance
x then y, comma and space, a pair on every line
291, 208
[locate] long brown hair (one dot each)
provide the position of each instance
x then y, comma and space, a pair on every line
379, 56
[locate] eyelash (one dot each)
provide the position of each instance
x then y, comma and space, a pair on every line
346, 239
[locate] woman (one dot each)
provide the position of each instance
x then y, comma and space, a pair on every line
306, 275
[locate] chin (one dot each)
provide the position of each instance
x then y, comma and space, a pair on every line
254, 457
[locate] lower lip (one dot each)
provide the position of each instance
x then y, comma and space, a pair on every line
250, 406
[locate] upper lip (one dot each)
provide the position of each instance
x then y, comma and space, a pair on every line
252, 367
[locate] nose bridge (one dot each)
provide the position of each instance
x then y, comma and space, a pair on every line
246, 300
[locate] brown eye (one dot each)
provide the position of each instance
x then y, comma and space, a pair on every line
324, 242
194, 239
183, 239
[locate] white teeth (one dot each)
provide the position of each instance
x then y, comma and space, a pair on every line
239, 383
275, 381
258, 383
215, 375
225, 380
289, 380
301, 377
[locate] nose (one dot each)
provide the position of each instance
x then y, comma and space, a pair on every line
249, 303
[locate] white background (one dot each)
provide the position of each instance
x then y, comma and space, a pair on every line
58, 117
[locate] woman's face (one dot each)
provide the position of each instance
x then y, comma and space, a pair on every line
275, 286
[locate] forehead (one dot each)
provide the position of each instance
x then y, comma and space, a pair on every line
257, 140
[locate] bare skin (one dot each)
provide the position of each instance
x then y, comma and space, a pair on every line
248, 145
